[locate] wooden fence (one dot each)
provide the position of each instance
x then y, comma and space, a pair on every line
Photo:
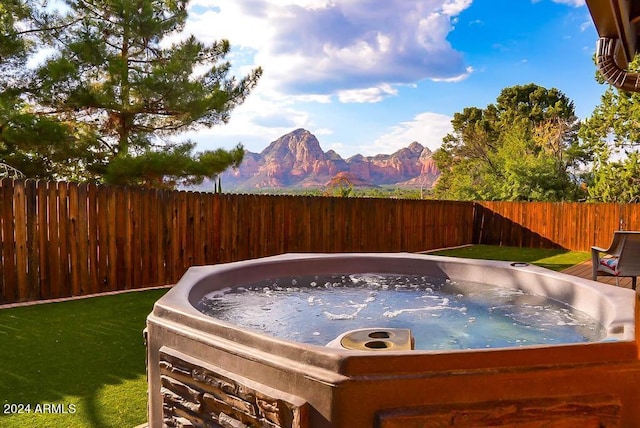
66, 239
572, 226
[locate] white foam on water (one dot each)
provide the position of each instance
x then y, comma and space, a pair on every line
218, 293
442, 314
334, 317
393, 314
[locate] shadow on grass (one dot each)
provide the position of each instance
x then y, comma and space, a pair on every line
54, 351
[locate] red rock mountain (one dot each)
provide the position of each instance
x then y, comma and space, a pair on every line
296, 160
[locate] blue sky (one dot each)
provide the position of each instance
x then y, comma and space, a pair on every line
370, 76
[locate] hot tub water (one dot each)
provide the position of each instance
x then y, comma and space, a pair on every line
442, 314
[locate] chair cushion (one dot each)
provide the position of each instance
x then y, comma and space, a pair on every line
609, 265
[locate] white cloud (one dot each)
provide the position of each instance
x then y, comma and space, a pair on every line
368, 95
574, 3
325, 47
454, 7
426, 128
459, 78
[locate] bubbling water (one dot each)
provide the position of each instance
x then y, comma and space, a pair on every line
442, 314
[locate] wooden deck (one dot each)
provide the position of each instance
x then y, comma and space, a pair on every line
583, 270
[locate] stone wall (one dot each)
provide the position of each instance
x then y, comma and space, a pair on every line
197, 394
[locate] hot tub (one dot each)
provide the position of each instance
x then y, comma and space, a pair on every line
203, 371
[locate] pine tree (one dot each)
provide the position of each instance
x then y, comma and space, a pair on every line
35, 144
126, 91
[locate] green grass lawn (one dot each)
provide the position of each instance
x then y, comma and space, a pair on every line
550, 259
87, 356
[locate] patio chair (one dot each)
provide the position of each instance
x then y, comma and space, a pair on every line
621, 259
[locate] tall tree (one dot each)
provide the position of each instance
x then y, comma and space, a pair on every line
127, 91
613, 131
33, 143
523, 147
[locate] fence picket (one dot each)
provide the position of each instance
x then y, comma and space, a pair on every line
92, 282
102, 216
20, 212
3, 285
136, 250
82, 228
8, 243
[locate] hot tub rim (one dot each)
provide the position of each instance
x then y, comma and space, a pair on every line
172, 309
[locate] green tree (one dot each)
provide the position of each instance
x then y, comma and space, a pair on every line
523, 147
13, 46
613, 131
33, 143
125, 91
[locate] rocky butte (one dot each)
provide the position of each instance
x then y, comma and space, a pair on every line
296, 160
